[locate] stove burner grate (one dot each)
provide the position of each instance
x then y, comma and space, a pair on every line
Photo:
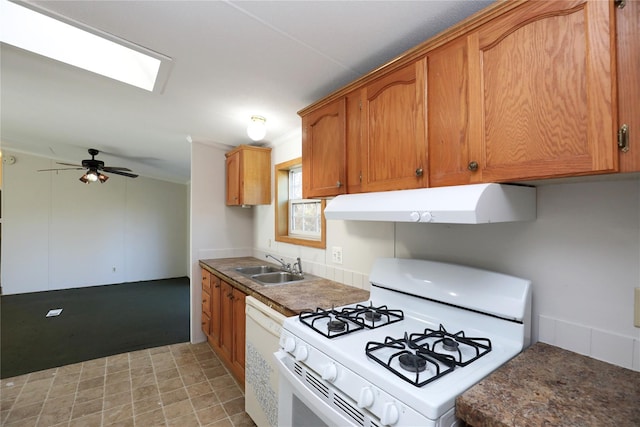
373, 317
412, 358
443, 342
330, 323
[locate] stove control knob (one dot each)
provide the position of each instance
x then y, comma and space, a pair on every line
390, 414
289, 345
365, 399
426, 217
414, 216
302, 353
330, 372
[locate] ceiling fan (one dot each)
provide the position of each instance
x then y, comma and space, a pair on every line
94, 169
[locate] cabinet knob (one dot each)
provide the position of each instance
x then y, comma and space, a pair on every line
419, 172
339, 184
473, 166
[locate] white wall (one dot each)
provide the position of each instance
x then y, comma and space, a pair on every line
582, 254
58, 233
217, 231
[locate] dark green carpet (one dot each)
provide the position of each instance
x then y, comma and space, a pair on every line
97, 321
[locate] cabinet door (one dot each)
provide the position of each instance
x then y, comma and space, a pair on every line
226, 320
233, 179
393, 130
354, 141
628, 52
323, 151
542, 93
448, 114
239, 333
205, 323
216, 308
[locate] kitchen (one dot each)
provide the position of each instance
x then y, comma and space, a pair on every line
581, 253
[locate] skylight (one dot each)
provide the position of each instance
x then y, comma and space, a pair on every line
85, 48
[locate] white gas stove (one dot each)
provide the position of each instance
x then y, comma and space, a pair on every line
429, 332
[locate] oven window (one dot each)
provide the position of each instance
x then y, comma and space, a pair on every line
303, 416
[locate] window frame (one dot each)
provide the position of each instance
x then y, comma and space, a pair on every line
282, 209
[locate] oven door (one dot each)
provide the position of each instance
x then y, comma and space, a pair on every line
299, 406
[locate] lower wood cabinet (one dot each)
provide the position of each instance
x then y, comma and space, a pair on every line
206, 302
224, 316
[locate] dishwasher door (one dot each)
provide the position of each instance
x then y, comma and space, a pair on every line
263, 325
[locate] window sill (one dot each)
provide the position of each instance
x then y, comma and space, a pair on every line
303, 242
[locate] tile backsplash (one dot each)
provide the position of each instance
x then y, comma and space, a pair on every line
607, 346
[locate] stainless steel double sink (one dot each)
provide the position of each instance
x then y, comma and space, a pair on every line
269, 275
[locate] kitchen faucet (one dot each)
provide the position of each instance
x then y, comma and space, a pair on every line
297, 270
284, 265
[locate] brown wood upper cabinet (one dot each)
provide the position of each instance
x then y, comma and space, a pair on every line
448, 114
542, 93
521, 91
324, 151
394, 146
528, 95
248, 170
628, 69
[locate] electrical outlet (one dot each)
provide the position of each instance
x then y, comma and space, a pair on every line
636, 309
336, 254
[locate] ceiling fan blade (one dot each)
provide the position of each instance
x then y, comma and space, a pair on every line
60, 169
130, 175
114, 168
68, 164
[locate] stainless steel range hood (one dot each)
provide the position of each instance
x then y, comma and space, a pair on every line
461, 204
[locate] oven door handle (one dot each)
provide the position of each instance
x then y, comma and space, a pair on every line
291, 384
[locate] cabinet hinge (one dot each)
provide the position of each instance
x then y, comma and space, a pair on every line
360, 103
361, 177
620, 4
623, 138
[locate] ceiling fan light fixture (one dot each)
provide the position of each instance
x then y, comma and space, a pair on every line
257, 129
92, 175
102, 178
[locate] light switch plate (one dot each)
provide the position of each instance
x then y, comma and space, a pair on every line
636, 309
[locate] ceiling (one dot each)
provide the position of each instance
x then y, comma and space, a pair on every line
230, 60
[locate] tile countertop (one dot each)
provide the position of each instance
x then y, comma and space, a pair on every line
289, 299
549, 386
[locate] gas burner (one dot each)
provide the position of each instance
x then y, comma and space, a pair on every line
412, 363
330, 323
409, 360
336, 325
372, 317
464, 349
450, 344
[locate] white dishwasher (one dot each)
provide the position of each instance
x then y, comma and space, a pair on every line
263, 326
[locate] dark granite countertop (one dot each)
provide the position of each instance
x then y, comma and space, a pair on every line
289, 299
549, 386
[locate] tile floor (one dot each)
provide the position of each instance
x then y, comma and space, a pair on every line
180, 385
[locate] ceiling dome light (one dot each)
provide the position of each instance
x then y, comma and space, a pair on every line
257, 129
